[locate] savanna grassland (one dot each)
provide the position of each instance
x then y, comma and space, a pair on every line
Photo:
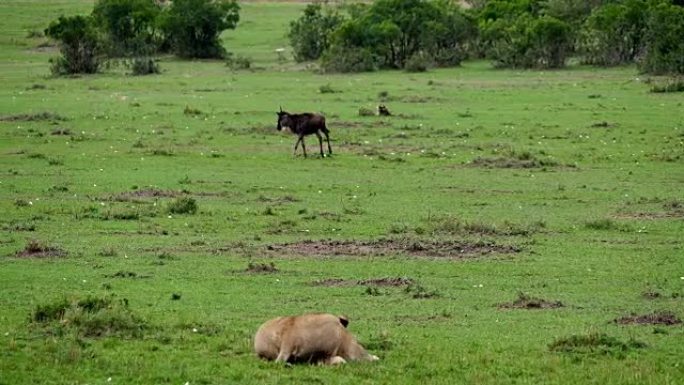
500, 227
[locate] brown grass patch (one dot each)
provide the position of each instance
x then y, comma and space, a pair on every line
657, 318
524, 301
260, 268
417, 248
38, 249
145, 193
386, 282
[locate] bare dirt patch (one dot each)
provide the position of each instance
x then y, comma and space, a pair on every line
37, 249
417, 248
524, 301
386, 281
656, 318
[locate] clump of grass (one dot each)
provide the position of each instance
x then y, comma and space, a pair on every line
192, 111
184, 205
253, 267
38, 249
381, 341
238, 62
21, 202
672, 85
455, 226
595, 344
418, 291
108, 251
604, 224
363, 111
327, 89
90, 317
40, 116
141, 66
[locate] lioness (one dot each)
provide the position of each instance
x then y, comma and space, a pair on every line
313, 338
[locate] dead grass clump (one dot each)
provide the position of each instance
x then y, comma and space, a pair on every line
127, 196
513, 159
385, 282
261, 268
37, 117
595, 344
37, 249
454, 249
524, 301
656, 318
455, 226
90, 317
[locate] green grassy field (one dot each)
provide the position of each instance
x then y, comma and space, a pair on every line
484, 184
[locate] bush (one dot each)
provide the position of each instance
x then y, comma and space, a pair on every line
529, 42
349, 59
193, 27
238, 62
78, 44
613, 34
144, 66
664, 45
418, 62
310, 34
129, 26
183, 206
388, 33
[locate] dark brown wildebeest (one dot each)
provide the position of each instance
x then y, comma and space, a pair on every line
303, 125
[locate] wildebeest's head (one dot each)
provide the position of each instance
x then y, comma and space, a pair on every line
284, 120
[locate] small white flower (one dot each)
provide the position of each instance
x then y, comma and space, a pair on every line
194, 330
109, 379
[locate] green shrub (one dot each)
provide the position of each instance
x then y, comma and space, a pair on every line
144, 66
351, 59
238, 62
529, 42
614, 33
310, 34
664, 45
185, 205
418, 62
128, 26
193, 27
78, 43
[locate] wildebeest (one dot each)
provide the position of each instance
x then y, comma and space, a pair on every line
303, 125
310, 338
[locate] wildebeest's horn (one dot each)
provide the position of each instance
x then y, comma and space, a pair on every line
281, 108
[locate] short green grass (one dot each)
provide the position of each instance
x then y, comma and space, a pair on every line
581, 170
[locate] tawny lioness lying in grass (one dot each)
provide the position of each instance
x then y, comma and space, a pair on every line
313, 338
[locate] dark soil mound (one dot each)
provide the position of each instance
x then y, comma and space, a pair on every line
656, 318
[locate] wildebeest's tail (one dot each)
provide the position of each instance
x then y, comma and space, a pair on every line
324, 128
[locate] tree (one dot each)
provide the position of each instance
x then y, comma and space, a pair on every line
664, 45
193, 27
388, 33
128, 25
529, 42
78, 44
310, 34
614, 33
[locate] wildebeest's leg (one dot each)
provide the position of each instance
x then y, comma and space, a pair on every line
320, 143
301, 139
327, 139
296, 145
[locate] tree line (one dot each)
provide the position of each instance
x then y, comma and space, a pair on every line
136, 30
413, 35
417, 34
